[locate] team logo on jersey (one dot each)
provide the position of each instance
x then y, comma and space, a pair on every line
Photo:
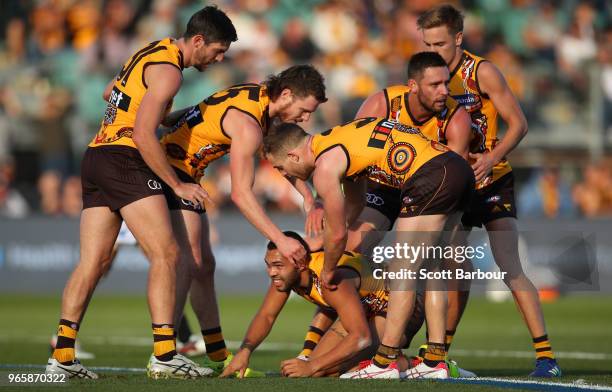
396, 108
119, 99
400, 157
381, 133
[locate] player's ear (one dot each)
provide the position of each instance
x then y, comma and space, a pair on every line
293, 155
459, 38
198, 40
286, 94
413, 85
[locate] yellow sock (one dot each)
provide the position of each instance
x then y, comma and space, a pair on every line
215, 344
542, 347
385, 355
164, 345
434, 354
311, 340
66, 337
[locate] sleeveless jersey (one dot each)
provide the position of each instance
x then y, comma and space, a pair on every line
130, 87
199, 138
398, 110
372, 292
465, 90
384, 151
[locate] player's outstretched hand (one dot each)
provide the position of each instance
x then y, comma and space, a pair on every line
314, 220
327, 278
192, 192
239, 365
483, 165
291, 249
296, 368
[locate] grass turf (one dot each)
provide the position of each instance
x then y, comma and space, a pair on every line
575, 324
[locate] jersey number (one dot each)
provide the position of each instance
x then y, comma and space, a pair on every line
232, 92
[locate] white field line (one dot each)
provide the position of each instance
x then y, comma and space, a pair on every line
578, 385
139, 341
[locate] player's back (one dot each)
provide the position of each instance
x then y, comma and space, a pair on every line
128, 90
385, 151
199, 137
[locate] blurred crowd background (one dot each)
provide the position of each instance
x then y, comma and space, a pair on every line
57, 55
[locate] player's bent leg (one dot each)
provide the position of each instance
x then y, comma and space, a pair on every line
367, 231
98, 231
503, 236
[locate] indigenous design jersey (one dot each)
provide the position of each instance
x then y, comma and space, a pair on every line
372, 292
433, 127
199, 138
382, 150
129, 88
465, 90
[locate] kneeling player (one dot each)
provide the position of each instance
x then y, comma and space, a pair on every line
360, 302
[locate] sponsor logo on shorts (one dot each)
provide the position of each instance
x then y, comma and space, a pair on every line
189, 203
493, 199
375, 199
154, 185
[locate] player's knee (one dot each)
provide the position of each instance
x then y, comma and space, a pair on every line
205, 266
363, 339
168, 255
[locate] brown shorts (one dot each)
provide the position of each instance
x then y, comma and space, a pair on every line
384, 199
492, 202
115, 176
177, 203
443, 185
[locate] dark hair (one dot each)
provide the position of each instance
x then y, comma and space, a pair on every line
443, 15
213, 24
419, 62
302, 80
295, 236
283, 137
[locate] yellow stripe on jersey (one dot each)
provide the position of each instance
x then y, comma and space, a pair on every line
128, 90
385, 151
464, 89
199, 137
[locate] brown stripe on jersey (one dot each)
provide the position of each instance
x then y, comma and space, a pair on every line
143, 55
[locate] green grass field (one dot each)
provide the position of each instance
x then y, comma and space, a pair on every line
117, 330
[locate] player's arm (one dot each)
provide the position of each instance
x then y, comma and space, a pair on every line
374, 106
171, 119
492, 83
355, 196
321, 321
329, 172
163, 83
248, 136
459, 132
345, 300
313, 226
258, 330
107, 90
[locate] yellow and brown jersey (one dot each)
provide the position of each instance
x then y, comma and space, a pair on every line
398, 109
464, 89
128, 90
372, 292
199, 138
382, 150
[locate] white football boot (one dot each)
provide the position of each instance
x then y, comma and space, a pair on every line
178, 367
74, 370
367, 369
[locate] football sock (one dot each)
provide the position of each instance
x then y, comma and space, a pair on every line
449, 338
434, 354
164, 346
66, 337
385, 355
542, 347
311, 340
215, 344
